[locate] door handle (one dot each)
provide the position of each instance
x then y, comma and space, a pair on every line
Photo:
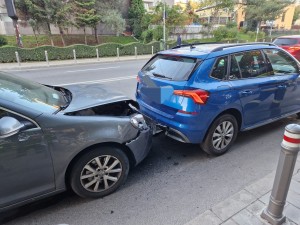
23, 137
247, 92
282, 86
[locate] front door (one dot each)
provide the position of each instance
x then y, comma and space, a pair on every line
26, 168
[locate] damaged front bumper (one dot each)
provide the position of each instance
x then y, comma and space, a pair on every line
141, 146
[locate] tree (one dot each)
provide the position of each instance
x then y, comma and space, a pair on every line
115, 21
59, 13
85, 15
36, 29
260, 11
135, 14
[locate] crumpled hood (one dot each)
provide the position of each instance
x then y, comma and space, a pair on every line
90, 95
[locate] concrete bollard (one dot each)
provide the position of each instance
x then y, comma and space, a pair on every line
46, 57
271, 39
74, 54
135, 52
118, 53
152, 50
247, 41
18, 58
264, 40
289, 150
97, 53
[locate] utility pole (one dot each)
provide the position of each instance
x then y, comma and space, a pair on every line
164, 24
11, 12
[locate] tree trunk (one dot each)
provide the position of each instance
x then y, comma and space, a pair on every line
85, 38
36, 39
50, 34
61, 32
96, 35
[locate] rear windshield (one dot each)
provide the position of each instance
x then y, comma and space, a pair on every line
170, 67
286, 41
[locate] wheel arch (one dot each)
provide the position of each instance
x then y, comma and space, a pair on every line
124, 148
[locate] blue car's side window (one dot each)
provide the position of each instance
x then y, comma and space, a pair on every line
219, 70
281, 62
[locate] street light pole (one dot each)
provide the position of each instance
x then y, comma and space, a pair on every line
164, 25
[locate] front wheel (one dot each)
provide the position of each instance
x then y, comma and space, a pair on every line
99, 172
221, 135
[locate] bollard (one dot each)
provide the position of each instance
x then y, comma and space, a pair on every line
18, 58
152, 50
97, 53
228, 42
74, 54
247, 41
286, 164
237, 41
271, 39
135, 52
46, 56
118, 53
168, 46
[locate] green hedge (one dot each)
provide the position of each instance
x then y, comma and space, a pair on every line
7, 53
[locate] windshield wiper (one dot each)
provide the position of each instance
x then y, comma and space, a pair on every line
162, 76
62, 107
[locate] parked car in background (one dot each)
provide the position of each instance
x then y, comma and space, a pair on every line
83, 136
290, 43
207, 93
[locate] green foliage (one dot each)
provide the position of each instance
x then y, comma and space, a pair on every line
115, 21
158, 33
231, 25
3, 41
147, 36
251, 34
135, 15
224, 33
7, 53
259, 10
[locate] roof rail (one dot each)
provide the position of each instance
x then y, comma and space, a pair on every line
196, 43
242, 44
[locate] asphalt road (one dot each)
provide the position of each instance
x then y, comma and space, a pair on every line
175, 183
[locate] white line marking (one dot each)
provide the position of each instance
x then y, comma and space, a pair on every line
103, 68
100, 81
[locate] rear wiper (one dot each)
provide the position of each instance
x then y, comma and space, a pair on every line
162, 76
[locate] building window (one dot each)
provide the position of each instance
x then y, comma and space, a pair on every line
283, 17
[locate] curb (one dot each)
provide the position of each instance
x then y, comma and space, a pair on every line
53, 64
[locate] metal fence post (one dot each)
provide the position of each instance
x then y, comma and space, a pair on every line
46, 56
152, 50
18, 58
74, 54
135, 52
286, 164
118, 53
97, 53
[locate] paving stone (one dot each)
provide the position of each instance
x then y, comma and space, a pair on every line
297, 177
206, 218
265, 198
262, 186
244, 217
256, 207
234, 204
295, 187
229, 222
293, 198
292, 213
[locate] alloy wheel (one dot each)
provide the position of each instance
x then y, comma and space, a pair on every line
223, 135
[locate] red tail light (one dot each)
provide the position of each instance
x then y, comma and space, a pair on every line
199, 96
138, 79
294, 48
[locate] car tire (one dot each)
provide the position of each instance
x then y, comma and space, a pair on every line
99, 172
221, 135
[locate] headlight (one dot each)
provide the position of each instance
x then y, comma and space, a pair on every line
138, 122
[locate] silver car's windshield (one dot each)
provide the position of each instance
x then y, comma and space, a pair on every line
30, 94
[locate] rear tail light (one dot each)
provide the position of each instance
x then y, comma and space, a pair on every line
294, 48
199, 96
138, 79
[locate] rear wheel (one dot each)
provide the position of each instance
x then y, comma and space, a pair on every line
99, 172
221, 135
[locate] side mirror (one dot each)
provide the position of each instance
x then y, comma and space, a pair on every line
9, 126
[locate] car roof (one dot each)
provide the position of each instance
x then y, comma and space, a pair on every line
209, 50
290, 36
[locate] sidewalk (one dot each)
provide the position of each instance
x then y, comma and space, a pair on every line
43, 64
245, 207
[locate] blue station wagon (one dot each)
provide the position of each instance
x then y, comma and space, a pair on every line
207, 93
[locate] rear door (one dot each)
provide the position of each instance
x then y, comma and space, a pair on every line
158, 80
253, 79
